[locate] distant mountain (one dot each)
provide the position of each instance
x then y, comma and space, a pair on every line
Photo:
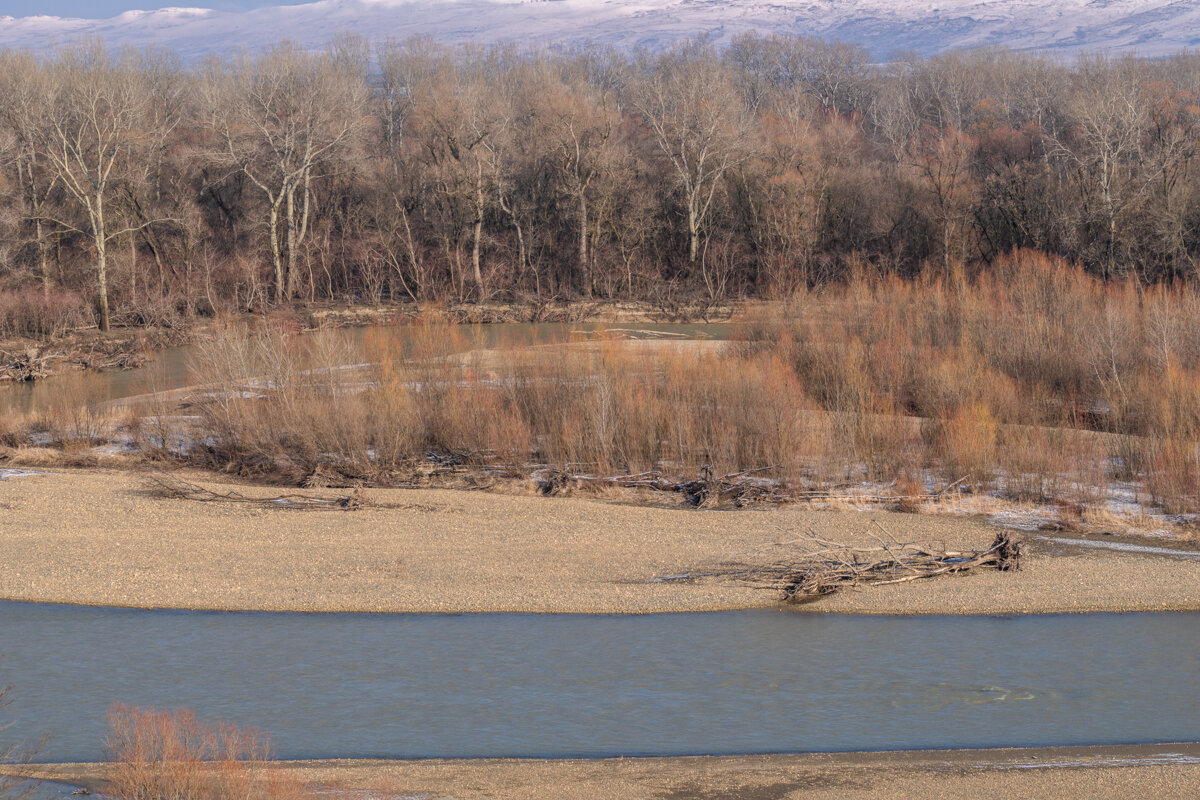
1147, 27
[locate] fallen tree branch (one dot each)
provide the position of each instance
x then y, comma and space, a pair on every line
171, 486
823, 567
28, 365
815, 576
707, 491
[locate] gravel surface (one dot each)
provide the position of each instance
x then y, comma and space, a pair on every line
1094, 773
102, 537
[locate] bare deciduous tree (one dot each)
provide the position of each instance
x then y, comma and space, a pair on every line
279, 118
1104, 143
690, 103
97, 120
578, 124
23, 93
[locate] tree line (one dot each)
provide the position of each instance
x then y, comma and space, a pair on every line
136, 190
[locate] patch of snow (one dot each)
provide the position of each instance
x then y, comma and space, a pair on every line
1148, 27
1123, 547
1158, 759
1023, 520
5, 474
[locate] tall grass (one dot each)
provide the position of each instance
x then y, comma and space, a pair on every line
288, 403
1032, 379
1010, 369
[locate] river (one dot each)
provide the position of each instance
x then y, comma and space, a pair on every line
360, 685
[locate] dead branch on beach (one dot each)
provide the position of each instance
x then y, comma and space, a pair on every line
171, 486
706, 491
823, 567
835, 567
738, 489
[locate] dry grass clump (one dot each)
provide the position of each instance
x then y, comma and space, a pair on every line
75, 418
41, 314
1032, 377
13, 756
1033, 380
279, 402
156, 755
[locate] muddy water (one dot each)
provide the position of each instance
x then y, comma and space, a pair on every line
341, 685
171, 368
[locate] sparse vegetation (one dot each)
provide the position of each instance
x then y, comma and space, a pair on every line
155, 754
14, 786
1010, 381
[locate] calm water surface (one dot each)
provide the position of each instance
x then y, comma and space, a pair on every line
171, 368
352, 685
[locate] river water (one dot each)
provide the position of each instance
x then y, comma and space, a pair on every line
171, 368
358, 685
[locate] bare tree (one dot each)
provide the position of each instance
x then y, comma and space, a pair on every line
279, 118
692, 106
1104, 143
95, 124
941, 161
403, 66
23, 93
836, 75
456, 117
578, 123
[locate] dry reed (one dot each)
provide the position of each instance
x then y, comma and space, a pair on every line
1032, 380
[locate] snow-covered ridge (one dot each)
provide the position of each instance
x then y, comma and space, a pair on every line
1147, 27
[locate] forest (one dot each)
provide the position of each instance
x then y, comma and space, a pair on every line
137, 190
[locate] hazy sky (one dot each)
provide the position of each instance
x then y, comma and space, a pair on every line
110, 8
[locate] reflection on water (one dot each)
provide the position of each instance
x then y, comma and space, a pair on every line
170, 368
509, 685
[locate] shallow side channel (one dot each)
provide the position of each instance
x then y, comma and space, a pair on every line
360, 685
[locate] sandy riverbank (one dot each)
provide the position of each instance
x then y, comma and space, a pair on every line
101, 537
1096, 773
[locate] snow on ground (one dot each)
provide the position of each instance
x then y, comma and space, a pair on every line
6, 474
1147, 27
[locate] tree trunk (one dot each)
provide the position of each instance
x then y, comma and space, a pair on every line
478, 232
35, 206
584, 264
291, 243
100, 234
521, 256
276, 256
132, 271
412, 257
102, 272
693, 235
43, 262
946, 245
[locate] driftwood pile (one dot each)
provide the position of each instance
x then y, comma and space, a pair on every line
822, 567
127, 356
34, 363
26, 365
736, 489
706, 491
171, 486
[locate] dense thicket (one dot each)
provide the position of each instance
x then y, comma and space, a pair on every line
136, 190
